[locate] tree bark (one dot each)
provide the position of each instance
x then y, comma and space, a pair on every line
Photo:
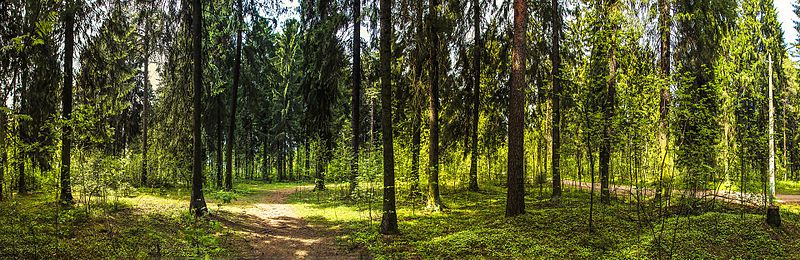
355, 121
389, 220
234, 89
198, 202
66, 103
415, 148
515, 198
771, 136
555, 58
608, 116
434, 198
218, 100
665, 26
145, 108
476, 90
4, 156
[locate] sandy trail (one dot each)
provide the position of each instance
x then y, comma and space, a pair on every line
273, 230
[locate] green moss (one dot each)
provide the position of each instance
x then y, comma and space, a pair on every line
474, 226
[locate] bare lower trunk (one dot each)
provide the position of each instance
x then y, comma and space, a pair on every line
515, 201
434, 198
198, 202
66, 104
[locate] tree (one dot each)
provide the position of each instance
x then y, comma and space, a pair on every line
476, 97
700, 26
515, 198
417, 98
198, 203
355, 120
389, 222
555, 58
665, 35
609, 102
434, 198
66, 102
236, 75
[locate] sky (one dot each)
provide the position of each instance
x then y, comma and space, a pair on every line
787, 17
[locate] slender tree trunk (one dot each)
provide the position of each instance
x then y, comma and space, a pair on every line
4, 156
145, 109
22, 188
355, 121
66, 103
555, 57
608, 114
415, 148
771, 161
198, 202
476, 90
308, 156
434, 198
265, 162
218, 100
416, 123
591, 172
515, 201
389, 220
234, 89
665, 30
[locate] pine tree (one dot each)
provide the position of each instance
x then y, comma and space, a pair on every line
389, 221
515, 198
198, 202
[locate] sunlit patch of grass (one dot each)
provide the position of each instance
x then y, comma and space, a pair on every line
150, 222
474, 226
788, 187
328, 206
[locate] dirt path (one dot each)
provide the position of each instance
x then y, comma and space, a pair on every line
272, 229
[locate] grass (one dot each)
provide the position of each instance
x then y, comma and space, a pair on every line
148, 223
788, 187
474, 226
155, 223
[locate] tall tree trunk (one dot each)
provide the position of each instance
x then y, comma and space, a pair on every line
416, 121
21, 187
590, 154
308, 157
198, 202
771, 136
265, 161
476, 90
66, 103
4, 156
434, 198
608, 117
355, 121
415, 148
218, 100
555, 57
145, 109
665, 30
389, 220
236, 73
515, 198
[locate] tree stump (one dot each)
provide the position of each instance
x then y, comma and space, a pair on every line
774, 216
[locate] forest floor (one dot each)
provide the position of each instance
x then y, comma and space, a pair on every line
289, 221
255, 220
473, 226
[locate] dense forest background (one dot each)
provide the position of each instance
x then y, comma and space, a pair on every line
681, 102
